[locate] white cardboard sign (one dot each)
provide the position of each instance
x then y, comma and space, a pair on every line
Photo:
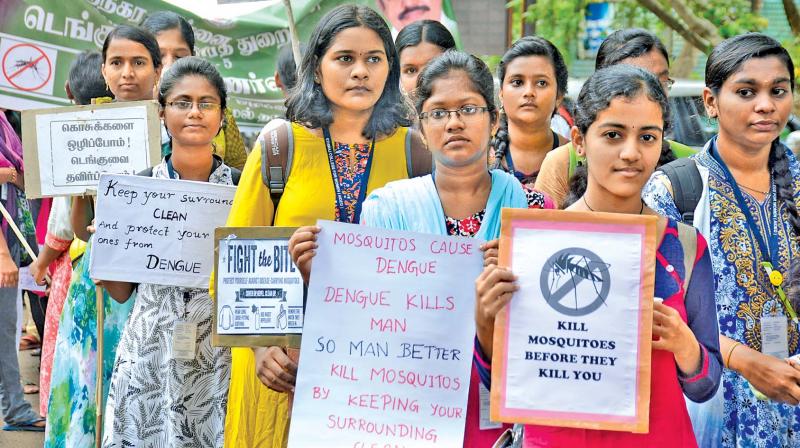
387, 343
157, 230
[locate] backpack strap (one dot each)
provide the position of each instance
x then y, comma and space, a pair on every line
277, 150
419, 160
687, 186
573, 161
687, 235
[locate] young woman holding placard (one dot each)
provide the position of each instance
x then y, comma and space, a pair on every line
622, 113
131, 67
748, 211
160, 395
348, 93
455, 102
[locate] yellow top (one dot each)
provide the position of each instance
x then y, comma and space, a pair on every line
258, 416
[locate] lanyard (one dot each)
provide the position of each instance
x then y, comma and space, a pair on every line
769, 252
337, 186
170, 169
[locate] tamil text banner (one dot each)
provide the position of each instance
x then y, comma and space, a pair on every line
573, 346
387, 342
68, 148
157, 230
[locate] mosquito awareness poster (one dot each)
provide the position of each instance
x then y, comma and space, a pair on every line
158, 231
258, 290
75, 145
39, 39
387, 343
573, 347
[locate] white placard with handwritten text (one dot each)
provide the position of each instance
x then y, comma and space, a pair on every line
157, 230
387, 343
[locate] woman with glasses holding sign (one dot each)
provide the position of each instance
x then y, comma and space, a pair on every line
349, 136
622, 113
748, 210
455, 102
163, 394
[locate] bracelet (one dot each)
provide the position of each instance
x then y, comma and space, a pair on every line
13, 176
730, 352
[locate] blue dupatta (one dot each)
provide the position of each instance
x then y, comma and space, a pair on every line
414, 205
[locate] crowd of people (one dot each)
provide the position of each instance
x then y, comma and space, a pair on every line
413, 134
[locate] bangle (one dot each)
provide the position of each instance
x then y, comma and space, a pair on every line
730, 352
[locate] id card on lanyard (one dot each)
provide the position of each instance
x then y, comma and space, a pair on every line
774, 326
337, 185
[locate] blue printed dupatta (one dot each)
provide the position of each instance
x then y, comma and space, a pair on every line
414, 205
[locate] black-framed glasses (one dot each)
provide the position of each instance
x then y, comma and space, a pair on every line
185, 106
441, 116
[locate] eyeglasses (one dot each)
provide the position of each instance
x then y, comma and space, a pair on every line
185, 106
668, 83
441, 116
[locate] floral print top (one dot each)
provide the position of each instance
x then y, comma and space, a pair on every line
470, 225
350, 169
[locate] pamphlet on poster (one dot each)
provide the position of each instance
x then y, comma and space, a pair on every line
387, 344
157, 231
73, 146
573, 347
258, 290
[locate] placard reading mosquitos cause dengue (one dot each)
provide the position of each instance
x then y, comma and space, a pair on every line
75, 145
257, 287
387, 342
157, 230
573, 346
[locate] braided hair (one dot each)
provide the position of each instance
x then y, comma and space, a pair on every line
726, 59
526, 46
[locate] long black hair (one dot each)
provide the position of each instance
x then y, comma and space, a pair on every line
725, 60
429, 31
527, 46
605, 85
159, 21
627, 43
138, 35
192, 66
307, 103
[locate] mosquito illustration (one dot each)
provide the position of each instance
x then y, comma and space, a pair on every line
21, 64
577, 266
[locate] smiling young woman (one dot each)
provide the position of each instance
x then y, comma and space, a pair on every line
156, 398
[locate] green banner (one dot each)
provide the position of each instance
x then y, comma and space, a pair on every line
40, 38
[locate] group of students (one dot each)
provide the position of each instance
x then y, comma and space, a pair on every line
413, 135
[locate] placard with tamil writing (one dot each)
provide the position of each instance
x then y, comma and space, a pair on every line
157, 231
258, 291
387, 342
573, 346
75, 145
